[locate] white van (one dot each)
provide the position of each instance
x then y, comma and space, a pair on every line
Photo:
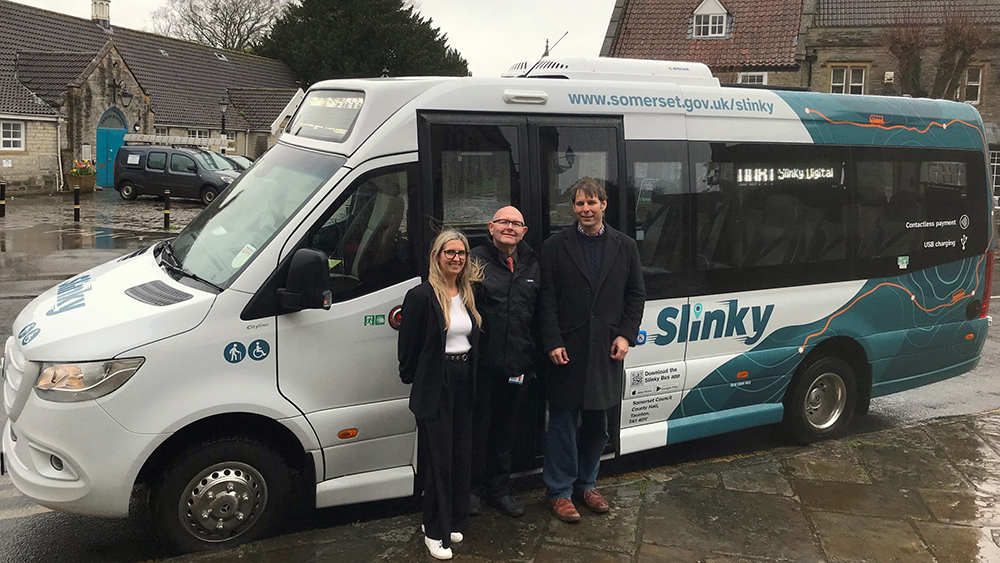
789, 243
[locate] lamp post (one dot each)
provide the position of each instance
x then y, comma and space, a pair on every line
224, 105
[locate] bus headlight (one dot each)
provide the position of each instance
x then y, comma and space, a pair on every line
70, 383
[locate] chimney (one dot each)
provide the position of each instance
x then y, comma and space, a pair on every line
100, 12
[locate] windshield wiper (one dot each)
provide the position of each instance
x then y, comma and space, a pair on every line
171, 263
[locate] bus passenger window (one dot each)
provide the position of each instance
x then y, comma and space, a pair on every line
477, 170
657, 188
365, 237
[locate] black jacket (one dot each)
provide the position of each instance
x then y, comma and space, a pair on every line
586, 317
420, 349
508, 303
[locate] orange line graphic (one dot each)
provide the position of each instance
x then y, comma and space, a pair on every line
957, 298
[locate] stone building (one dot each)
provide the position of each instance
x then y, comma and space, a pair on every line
72, 88
834, 46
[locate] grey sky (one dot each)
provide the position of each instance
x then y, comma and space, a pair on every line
490, 35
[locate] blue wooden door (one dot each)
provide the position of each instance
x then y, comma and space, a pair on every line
110, 137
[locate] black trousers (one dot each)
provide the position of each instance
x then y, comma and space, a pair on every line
445, 457
495, 414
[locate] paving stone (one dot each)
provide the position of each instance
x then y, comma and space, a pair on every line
704, 480
832, 461
959, 544
492, 534
985, 479
564, 554
909, 467
614, 531
866, 500
649, 553
960, 443
848, 538
969, 508
762, 478
913, 437
737, 523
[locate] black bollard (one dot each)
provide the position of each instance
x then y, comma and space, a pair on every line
166, 210
76, 204
3, 199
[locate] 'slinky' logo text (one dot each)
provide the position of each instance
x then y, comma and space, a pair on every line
728, 322
70, 295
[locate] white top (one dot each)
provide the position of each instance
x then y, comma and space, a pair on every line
457, 341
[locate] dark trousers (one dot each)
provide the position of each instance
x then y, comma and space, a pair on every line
445, 456
495, 413
573, 448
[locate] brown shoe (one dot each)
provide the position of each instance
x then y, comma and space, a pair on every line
594, 501
564, 510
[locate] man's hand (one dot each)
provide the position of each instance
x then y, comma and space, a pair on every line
619, 348
559, 356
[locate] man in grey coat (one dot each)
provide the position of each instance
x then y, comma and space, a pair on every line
591, 307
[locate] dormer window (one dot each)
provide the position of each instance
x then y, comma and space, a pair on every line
710, 26
711, 19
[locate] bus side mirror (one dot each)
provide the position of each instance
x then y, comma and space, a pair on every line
308, 283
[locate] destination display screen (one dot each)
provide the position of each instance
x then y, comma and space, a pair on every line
327, 115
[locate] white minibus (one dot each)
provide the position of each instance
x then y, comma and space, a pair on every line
803, 253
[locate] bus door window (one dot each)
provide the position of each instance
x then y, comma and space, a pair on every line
658, 215
365, 235
568, 154
476, 170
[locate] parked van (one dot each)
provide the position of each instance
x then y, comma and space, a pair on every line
802, 253
186, 172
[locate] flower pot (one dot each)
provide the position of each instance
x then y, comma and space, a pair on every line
86, 183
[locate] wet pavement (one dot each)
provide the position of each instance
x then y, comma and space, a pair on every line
927, 492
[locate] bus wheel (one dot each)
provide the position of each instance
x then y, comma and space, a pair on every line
221, 493
821, 401
127, 190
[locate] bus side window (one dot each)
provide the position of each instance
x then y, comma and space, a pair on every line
365, 235
657, 197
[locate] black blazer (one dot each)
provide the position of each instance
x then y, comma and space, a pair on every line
421, 350
586, 317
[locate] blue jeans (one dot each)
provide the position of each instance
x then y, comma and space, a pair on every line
573, 448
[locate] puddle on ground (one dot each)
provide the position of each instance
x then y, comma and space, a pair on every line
39, 240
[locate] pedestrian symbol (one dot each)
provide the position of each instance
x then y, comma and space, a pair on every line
234, 352
259, 350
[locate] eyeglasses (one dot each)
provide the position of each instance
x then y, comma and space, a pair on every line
505, 223
452, 254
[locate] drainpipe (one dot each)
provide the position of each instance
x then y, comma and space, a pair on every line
59, 122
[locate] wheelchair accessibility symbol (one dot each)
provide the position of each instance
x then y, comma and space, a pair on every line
641, 338
259, 350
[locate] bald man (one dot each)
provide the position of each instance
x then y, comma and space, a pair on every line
508, 356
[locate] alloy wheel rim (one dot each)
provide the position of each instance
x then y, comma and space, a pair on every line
825, 401
222, 502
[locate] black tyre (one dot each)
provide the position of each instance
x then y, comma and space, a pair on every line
127, 190
821, 400
221, 493
208, 194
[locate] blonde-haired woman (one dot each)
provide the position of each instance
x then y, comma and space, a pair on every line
438, 343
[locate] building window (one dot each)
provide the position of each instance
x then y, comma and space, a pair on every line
198, 133
711, 25
11, 135
995, 174
848, 80
752, 78
973, 84
230, 139
162, 131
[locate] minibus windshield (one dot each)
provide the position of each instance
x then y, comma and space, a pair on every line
225, 236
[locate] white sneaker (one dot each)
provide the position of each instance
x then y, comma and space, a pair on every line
437, 551
456, 537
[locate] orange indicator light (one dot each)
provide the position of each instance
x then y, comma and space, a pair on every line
346, 434
970, 336
743, 375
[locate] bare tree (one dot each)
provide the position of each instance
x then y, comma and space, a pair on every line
237, 25
961, 35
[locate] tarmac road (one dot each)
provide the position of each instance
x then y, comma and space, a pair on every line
33, 533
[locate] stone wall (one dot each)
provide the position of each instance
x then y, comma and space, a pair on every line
35, 168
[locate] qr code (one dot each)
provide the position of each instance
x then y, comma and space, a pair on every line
636, 378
